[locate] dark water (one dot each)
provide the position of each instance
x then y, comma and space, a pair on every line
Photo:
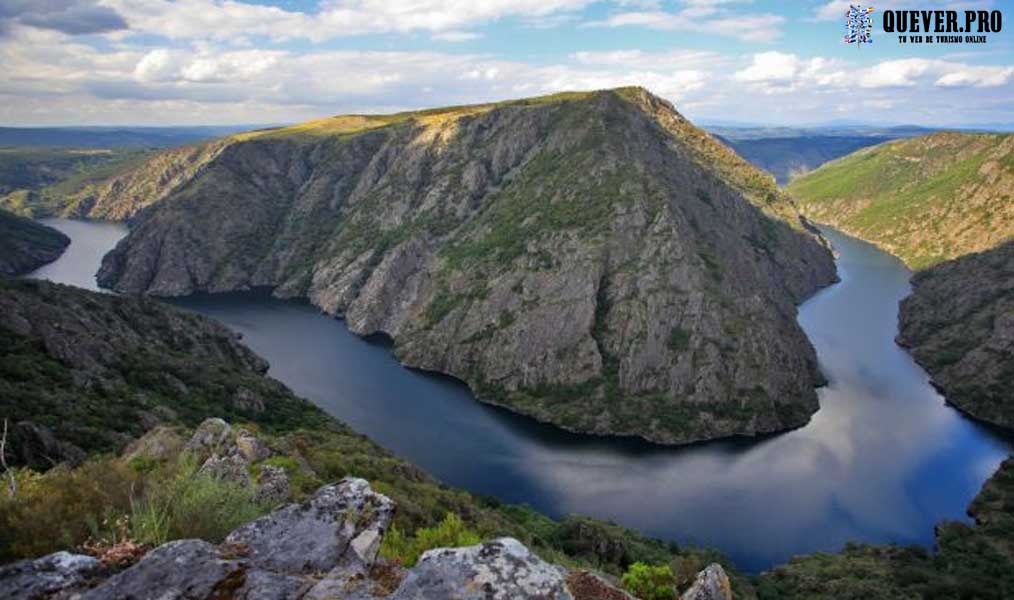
883, 460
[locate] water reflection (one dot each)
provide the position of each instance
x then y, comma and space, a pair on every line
883, 460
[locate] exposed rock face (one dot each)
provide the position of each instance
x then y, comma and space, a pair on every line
592, 260
498, 570
711, 584
340, 523
959, 325
26, 245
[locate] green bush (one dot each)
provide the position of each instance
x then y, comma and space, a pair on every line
449, 533
191, 504
650, 582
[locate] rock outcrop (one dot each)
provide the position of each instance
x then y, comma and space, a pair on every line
711, 584
26, 245
324, 547
959, 325
592, 260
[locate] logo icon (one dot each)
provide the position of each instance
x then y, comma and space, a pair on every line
858, 25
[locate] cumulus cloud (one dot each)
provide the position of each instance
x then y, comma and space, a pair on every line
778, 70
68, 16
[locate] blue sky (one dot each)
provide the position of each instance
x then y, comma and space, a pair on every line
226, 61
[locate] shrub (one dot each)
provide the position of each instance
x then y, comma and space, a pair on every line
449, 533
192, 504
63, 507
649, 582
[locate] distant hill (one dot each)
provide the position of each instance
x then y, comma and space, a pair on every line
787, 152
113, 137
924, 199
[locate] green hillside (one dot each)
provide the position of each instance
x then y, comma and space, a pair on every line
925, 199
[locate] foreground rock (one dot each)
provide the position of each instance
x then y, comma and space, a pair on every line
26, 245
711, 584
589, 259
959, 325
53, 576
323, 548
498, 570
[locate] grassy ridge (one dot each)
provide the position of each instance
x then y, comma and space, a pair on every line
924, 199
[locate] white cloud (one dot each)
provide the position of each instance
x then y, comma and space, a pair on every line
456, 36
227, 19
746, 27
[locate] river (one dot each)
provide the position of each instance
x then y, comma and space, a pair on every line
882, 461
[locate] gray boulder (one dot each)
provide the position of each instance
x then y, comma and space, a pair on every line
341, 523
159, 443
251, 448
503, 569
711, 584
228, 468
211, 436
180, 569
272, 485
57, 575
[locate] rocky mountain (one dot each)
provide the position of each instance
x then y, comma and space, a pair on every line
590, 259
925, 199
26, 245
959, 325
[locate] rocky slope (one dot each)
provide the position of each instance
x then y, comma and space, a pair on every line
26, 245
85, 371
959, 325
590, 259
924, 199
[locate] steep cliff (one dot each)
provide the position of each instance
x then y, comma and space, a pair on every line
959, 325
26, 245
590, 259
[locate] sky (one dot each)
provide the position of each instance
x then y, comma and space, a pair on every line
218, 62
